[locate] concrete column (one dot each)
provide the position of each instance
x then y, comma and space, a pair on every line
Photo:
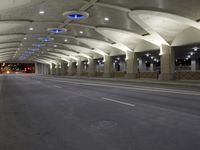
42, 69
39, 68
36, 68
167, 63
131, 65
193, 65
91, 67
108, 67
53, 69
63, 68
142, 66
79, 67
58, 69
70, 69
46, 69
151, 67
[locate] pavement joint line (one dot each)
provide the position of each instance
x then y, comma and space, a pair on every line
120, 102
163, 90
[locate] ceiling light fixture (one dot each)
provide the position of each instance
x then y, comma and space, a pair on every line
45, 39
57, 30
81, 32
106, 19
41, 12
76, 15
31, 29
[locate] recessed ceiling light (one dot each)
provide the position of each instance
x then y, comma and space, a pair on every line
57, 30
65, 40
55, 46
74, 15
25, 38
41, 12
45, 39
106, 19
31, 29
81, 32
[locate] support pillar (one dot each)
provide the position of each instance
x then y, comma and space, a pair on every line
70, 69
152, 67
39, 68
36, 68
193, 65
79, 67
53, 69
131, 65
167, 63
108, 66
63, 68
58, 69
91, 68
42, 69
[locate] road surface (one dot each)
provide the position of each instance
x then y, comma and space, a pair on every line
38, 113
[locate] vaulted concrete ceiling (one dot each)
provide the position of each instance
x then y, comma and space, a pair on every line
113, 27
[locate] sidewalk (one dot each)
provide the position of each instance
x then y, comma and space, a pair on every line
194, 83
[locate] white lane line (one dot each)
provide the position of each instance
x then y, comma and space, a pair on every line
58, 86
120, 102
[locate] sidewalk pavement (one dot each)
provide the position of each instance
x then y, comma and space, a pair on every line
195, 83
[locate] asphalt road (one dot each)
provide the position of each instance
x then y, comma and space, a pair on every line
39, 113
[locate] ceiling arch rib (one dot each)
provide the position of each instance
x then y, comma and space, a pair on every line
83, 51
42, 61
66, 51
188, 36
125, 40
49, 58
61, 56
48, 61
163, 27
103, 46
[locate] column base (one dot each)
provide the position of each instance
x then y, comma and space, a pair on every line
70, 74
91, 74
131, 75
167, 76
108, 75
79, 74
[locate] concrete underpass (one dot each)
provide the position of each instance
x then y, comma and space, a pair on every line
99, 75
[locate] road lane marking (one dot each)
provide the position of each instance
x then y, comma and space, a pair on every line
119, 102
58, 86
